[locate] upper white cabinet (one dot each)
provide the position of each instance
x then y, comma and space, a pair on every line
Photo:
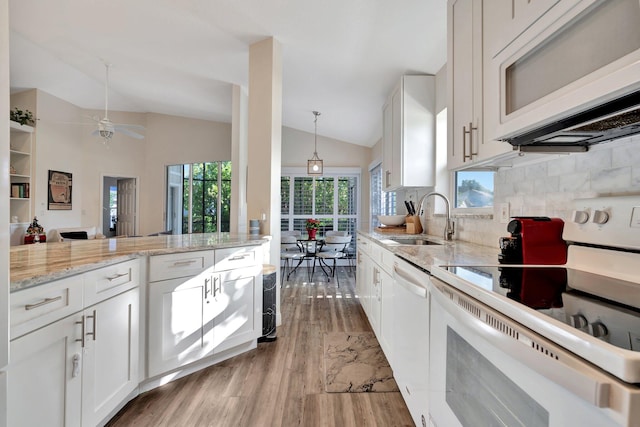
408, 151
473, 104
505, 20
20, 177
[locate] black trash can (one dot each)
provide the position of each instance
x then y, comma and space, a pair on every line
268, 303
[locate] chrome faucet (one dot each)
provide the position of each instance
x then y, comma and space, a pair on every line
449, 228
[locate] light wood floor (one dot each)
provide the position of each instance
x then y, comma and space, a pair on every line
281, 383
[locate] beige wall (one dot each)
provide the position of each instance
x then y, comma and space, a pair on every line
63, 143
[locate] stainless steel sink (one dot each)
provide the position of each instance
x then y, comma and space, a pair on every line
414, 241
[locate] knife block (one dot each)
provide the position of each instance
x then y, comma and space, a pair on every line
413, 224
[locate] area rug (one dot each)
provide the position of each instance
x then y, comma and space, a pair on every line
355, 363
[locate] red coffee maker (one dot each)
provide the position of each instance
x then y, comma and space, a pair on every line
534, 240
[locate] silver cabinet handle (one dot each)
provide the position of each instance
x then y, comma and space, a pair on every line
206, 288
117, 276
386, 178
75, 362
94, 317
469, 132
81, 339
181, 263
43, 302
239, 257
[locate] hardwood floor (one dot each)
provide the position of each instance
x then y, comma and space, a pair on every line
281, 383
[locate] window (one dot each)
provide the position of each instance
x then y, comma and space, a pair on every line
199, 197
331, 198
382, 202
474, 189
113, 207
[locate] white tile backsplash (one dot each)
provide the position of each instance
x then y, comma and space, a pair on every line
548, 187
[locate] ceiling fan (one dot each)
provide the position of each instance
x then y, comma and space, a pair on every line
106, 128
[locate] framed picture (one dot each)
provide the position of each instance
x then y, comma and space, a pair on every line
59, 191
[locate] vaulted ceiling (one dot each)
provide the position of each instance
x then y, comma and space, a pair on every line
181, 57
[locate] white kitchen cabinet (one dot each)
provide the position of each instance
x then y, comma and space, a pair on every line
385, 336
238, 307
470, 141
110, 363
409, 134
505, 20
45, 376
180, 322
73, 362
217, 305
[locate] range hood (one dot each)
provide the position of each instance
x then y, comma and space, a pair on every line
607, 121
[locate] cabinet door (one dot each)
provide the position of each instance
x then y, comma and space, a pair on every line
387, 145
44, 376
237, 316
386, 315
395, 178
179, 322
465, 75
110, 371
374, 299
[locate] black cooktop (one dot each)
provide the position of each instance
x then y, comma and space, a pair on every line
601, 306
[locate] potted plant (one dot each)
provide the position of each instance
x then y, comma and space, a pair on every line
23, 117
312, 226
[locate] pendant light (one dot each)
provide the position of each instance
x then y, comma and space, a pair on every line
314, 164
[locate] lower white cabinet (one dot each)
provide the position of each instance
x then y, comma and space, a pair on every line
110, 362
45, 376
180, 322
198, 316
76, 370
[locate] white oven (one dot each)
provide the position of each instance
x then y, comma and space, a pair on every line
491, 371
543, 345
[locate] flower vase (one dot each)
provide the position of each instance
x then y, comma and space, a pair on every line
312, 233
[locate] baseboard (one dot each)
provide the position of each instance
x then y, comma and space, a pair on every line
165, 378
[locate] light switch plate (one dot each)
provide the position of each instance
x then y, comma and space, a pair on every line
504, 213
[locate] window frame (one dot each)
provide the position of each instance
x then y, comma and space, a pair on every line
456, 211
329, 172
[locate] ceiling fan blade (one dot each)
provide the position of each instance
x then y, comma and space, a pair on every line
128, 133
127, 126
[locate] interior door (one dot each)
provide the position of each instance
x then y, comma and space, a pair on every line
126, 225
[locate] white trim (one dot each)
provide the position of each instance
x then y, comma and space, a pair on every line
374, 164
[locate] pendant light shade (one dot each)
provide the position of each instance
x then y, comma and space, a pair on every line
314, 164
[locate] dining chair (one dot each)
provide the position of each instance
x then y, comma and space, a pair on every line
289, 252
334, 249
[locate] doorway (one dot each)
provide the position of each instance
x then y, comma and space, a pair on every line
119, 206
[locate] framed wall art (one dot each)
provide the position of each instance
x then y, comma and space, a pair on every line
60, 184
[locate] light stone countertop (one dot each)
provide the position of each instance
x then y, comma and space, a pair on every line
31, 265
425, 256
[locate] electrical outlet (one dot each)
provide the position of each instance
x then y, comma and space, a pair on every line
504, 213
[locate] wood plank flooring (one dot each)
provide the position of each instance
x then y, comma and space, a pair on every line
281, 383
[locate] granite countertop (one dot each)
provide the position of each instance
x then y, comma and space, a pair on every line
425, 256
35, 264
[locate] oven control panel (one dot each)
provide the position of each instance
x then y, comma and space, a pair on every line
606, 221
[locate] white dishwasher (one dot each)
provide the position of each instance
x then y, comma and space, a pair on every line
411, 337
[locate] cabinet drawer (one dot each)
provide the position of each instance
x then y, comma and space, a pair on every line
387, 258
109, 281
36, 307
364, 245
231, 258
172, 266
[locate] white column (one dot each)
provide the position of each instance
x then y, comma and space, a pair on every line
239, 161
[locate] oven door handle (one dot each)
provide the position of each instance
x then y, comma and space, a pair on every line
532, 351
404, 280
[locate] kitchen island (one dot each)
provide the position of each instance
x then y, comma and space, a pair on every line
31, 265
95, 322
